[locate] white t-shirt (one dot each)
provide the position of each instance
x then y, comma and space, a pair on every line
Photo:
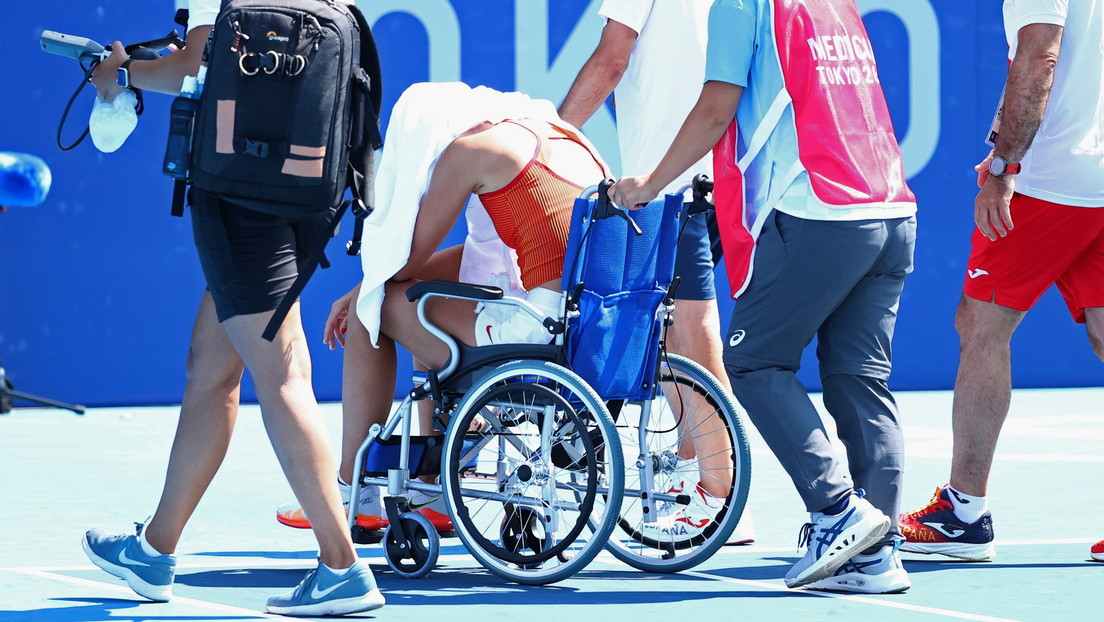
202, 12
664, 78
1065, 163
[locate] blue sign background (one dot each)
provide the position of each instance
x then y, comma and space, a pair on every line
99, 285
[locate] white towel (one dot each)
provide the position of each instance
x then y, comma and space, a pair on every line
425, 120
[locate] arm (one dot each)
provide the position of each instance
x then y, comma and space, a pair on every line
1029, 80
456, 175
163, 75
600, 74
702, 129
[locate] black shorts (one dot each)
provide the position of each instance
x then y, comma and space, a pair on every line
250, 259
694, 257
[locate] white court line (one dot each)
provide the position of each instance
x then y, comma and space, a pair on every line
126, 590
866, 600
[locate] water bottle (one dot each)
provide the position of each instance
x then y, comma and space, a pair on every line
182, 115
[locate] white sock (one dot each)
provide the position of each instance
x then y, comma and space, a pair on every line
339, 571
147, 548
968, 508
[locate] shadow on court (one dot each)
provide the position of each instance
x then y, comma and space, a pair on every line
85, 609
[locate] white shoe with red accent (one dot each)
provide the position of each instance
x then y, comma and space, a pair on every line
686, 521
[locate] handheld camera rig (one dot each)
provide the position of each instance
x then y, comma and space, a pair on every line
90, 53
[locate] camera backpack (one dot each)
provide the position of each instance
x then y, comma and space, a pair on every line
288, 115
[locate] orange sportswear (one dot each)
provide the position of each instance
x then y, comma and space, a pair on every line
532, 213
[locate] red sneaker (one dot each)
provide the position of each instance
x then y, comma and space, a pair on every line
936, 529
1097, 551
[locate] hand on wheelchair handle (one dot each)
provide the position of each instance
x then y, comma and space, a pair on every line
632, 192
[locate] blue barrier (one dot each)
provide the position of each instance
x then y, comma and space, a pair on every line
100, 285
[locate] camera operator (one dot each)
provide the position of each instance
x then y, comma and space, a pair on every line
249, 260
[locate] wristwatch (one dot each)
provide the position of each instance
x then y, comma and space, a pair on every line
122, 74
999, 167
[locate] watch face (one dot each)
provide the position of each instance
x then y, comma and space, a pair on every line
997, 166
123, 77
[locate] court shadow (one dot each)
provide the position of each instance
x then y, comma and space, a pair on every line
114, 609
244, 577
914, 566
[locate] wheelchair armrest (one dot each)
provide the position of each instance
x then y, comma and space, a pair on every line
454, 290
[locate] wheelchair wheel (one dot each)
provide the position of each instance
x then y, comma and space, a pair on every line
693, 417
530, 489
416, 555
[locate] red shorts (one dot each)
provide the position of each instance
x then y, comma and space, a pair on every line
1050, 244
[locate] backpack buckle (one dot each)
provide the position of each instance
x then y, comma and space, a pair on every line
255, 148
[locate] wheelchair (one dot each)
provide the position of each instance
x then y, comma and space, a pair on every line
532, 466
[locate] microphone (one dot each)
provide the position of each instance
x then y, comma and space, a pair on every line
24, 179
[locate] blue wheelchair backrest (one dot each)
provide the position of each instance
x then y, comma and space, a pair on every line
613, 344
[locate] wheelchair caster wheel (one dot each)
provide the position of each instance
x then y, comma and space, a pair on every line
523, 533
415, 556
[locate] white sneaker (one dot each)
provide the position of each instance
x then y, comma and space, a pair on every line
878, 573
686, 471
832, 539
433, 508
369, 509
688, 521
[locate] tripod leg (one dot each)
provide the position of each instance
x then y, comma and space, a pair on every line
77, 408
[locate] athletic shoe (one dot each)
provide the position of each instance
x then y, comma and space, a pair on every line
326, 593
685, 473
687, 521
832, 539
369, 509
878, 573
122, 556
433, 508
1097, 551
935, 529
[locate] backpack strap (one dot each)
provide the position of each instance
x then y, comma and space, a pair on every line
367, 91
317, 257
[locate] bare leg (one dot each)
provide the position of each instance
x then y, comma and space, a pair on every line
983, 389
368, 372
367, 388
696, 334
281, 372
207, 416
1094, 322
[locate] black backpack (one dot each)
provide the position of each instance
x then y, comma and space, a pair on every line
289, 114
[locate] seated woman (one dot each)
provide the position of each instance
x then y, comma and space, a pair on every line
526, 171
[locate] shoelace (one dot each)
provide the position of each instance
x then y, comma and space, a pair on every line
308, 579
930, 507
806, 535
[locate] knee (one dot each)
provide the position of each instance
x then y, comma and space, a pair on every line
213, 370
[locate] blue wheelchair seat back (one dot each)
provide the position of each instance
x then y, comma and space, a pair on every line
613, 343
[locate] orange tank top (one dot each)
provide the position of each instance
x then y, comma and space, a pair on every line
532, 213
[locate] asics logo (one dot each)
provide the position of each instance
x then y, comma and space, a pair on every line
123, 557
976, 272
950, 533
320, 594
736, 338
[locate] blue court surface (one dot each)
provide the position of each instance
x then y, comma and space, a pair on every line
61, 474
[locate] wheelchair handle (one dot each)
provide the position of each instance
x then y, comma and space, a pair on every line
606, 208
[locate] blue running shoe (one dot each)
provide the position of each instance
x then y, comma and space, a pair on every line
325, 593
122, 556
878, 573
832, 539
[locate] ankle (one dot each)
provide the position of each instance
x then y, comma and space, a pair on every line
968, 508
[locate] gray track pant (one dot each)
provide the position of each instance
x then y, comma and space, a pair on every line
840, 281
